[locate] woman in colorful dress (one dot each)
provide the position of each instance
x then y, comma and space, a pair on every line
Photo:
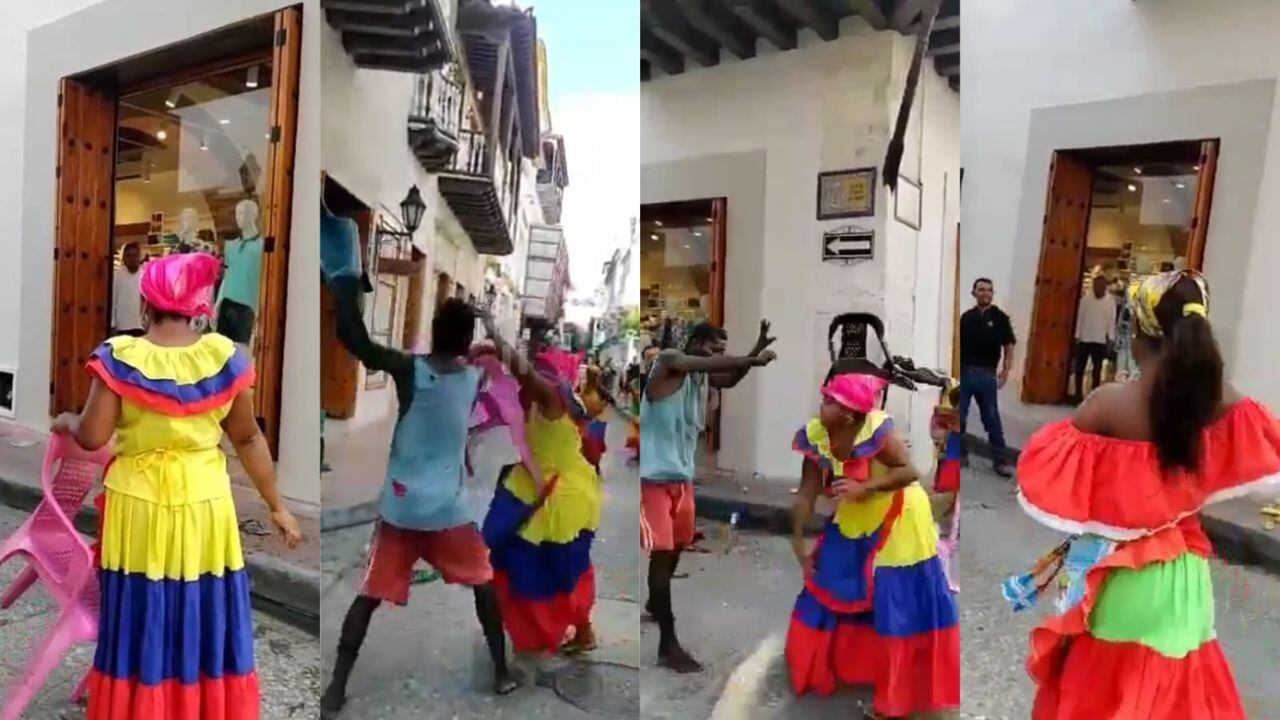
175, 637
593, 427
544, 518
1128, 477
875, 608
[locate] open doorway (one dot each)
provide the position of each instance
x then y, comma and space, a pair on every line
682, 248
186, 148
1113, 216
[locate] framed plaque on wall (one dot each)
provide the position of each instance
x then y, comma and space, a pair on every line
847, 193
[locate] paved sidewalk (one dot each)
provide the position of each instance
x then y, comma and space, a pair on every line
286, 582
1236, 526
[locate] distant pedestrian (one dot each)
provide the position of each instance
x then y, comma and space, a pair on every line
1095, 333
126, 297
986, 355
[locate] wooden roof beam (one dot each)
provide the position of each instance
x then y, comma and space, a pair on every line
944, 42
951, 22
669, 26
871, 11
714, 22
812, 16
765, 20
660, 54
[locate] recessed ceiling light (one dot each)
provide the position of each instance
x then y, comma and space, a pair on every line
225, 121
1180, 185
251, 80
161, 135
1137, 170
1196, 168
1133, 188
172, 101
204, 145
658, 223
1167, 200
710, 220
697, 233
653, 237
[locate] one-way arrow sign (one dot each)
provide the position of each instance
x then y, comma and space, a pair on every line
848, 244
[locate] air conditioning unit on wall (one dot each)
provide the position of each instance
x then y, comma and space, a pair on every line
8, 386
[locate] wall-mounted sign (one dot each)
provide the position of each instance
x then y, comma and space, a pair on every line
847, 193
848, 244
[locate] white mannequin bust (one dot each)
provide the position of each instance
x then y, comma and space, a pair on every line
247, 219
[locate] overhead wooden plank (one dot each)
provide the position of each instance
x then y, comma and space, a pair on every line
660, 54
711, 19
951, 22
82, 235
671, 27
278, 214
1208, 169
1058, 279
812, 16
765, 19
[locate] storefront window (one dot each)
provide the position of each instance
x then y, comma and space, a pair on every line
191, 176
676, 269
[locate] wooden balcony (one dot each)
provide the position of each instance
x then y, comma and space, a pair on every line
435, 118
398, 35
481, 187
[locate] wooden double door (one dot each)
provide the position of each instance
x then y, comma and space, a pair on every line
83, 252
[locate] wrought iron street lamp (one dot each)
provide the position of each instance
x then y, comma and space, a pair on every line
412, 209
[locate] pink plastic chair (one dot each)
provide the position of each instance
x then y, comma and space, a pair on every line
62, 561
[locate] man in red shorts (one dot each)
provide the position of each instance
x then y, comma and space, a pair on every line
423, 513
671, 418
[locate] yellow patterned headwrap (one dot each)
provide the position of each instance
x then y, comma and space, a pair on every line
1144, 297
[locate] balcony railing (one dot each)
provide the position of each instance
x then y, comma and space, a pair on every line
437, 103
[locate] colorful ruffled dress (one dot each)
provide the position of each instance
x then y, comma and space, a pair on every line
541, 554
876, 609
175, 638
1139, 640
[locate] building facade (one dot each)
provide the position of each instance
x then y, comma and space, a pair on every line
1153, 113
729, 228
190, 125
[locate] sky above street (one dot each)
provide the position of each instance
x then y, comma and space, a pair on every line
593, 58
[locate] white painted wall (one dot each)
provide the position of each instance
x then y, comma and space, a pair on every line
364, 147
1040, 76
13, 83
775, 123
81, 36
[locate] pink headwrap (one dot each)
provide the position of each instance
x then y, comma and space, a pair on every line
181, 284
858, 392
562, 364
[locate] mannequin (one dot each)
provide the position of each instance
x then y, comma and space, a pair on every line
238, 295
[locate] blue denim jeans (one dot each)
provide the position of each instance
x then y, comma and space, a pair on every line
980, 384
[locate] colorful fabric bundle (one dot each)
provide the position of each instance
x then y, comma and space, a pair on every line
176, 630
1137, 637
877, 609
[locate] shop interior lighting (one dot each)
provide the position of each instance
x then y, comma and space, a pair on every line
251, 79
171, 102
204, 145
162, 135
1133, 188
658, 223
654, 236
1180, 185
225, 121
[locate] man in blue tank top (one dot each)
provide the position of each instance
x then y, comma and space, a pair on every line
671, 419
423, 514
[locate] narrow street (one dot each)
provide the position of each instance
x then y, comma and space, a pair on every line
998, 540
427, 660
288, 660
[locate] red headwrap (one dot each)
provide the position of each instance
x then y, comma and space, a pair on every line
562, 364
181, 284
857, 392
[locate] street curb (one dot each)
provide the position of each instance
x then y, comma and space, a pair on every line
752, 515
344, 517
284, 590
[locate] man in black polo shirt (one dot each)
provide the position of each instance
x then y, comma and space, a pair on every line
986, 353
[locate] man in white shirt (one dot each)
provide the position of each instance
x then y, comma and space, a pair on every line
1095, 331
126, 298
